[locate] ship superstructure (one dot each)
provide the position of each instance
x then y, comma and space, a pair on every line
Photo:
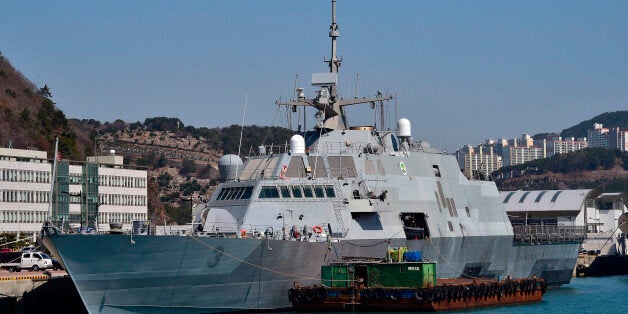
336, 191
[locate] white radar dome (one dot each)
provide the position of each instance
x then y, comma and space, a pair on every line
297, 144
404, 127
229, 167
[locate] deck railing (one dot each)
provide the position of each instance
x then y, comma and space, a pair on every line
532, 235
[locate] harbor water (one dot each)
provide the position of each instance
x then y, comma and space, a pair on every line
581, 295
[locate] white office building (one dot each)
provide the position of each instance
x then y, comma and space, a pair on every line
87, 195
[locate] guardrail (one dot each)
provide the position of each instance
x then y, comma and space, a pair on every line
532, 235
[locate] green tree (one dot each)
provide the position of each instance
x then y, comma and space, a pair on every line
164, 179
188, 166
188, 188
25, 116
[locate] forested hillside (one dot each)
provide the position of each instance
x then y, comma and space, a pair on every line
590, 168
181, 159
608, 119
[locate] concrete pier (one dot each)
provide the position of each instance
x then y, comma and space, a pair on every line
31, 292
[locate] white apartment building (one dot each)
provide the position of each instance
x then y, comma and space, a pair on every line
85, 194
480, 159
598, 137
608, 138
618, 139
523, 150
563, 146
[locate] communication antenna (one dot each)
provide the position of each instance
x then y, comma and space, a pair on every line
396, 117
357, 84
52, 180
246, 100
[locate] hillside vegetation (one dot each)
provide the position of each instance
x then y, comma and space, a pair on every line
30, 118
590, 168
608, 119
181, 160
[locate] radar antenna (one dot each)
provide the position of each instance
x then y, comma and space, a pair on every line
327, 100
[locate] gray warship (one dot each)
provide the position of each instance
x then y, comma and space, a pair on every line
338, 191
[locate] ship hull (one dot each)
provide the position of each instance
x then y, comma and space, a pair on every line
182, 274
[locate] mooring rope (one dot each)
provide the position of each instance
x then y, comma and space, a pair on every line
252, 264
449, 263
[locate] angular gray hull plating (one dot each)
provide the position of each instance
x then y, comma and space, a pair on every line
181, 274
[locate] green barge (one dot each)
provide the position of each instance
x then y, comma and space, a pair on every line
407, 285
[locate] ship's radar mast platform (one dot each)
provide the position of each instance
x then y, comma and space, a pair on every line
327, 100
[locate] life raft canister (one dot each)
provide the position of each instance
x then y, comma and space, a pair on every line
295, 234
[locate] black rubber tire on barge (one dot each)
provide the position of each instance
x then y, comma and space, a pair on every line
310, 295
321, 293
419, 294
379, 293
430, 294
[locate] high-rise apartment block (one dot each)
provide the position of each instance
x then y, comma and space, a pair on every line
615, 138
478, 161
492, 155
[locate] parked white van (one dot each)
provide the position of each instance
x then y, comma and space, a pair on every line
33, 260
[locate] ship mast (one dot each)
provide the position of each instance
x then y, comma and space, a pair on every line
327, 101
334, 62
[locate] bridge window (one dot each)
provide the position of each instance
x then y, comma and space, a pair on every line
296, 191
247, 192
221, 195
330, 191
319, 192
285, 193
307, 191
268, 192
234, 193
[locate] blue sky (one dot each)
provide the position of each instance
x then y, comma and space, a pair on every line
463, 71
